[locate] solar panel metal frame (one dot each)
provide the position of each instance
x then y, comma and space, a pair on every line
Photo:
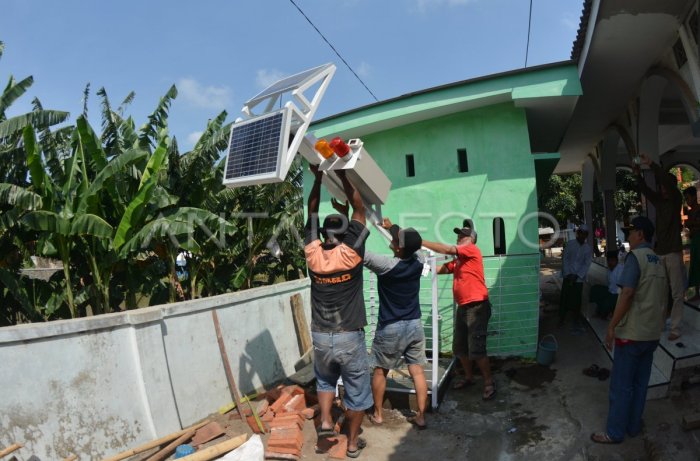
272, 175
288, 84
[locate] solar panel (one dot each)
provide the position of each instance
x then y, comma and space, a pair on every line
255, 146
287, 84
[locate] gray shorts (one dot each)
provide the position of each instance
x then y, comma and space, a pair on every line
403, 338
471, 330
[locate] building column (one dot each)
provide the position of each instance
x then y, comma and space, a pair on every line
587, 182
610, 221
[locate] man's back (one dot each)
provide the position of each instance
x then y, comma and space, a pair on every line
398, 286
337, 301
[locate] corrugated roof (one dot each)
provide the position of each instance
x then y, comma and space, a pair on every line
582, 29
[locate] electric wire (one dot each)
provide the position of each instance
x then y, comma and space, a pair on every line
334, 50
529, 24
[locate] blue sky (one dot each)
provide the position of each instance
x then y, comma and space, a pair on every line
219, 53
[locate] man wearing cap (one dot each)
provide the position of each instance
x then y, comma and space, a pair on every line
667, 202
338, 310
635, 329
576, 260
605, 296
474, 309
399, 329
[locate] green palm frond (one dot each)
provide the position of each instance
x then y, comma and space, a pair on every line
37, 119
15, 196
152, 131
125, 103
13, 92
86, 98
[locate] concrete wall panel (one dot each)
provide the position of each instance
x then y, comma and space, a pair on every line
97, 386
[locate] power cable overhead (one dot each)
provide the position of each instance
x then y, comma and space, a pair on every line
334, 50
529, 24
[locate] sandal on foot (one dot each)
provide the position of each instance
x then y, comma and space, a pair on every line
489, 392
603, 437
373, 420
592, 371
321, 432
361, 444
461, 383
420, 427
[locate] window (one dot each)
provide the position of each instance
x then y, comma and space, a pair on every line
679, 53
462, 160
410, 168
499, 237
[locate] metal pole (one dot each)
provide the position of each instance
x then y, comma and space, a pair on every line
436, 333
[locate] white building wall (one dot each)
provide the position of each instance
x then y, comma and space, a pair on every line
97, 386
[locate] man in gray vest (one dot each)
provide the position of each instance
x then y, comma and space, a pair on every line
635, 330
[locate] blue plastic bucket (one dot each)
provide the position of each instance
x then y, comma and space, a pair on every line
547, 350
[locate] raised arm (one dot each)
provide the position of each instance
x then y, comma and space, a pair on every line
653, 196
441, 248
315, 194
353, 196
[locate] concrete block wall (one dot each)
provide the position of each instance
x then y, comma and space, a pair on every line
97, 386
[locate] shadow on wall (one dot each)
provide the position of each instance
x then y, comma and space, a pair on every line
261, 359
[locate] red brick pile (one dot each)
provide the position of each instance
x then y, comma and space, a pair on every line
283, 414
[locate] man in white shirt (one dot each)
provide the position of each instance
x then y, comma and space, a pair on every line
575, 262
605, 297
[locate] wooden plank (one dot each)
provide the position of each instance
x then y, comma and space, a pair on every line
302, 328
216, 450
165, 452
10, 449
227, 365
153, 443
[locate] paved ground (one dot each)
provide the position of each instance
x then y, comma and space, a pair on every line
539, 413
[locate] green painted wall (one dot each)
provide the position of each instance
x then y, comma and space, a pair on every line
500, 183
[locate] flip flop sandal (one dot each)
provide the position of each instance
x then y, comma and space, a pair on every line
374, 421
420, 427
461, 383
321, 432
361, 444
603, 374
603, 437
489, 392
592, 371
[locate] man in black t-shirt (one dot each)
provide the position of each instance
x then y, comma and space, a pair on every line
399, 330
338, 310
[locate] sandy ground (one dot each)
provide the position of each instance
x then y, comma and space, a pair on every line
539, 413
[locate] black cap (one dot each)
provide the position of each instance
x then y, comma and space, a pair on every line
409, 239
334, 224
643, 224
466, 232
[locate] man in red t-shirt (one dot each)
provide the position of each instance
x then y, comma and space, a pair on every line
474, 309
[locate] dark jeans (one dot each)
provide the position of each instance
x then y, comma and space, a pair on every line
570, 299
604, 300
628, 387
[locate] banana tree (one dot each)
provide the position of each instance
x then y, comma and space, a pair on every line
12, 166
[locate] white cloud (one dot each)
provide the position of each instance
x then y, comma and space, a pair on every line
364, 69
208, 97
193, 137
266, 77
570, 22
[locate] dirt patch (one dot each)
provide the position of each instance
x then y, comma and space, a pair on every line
531, 376
525, 431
